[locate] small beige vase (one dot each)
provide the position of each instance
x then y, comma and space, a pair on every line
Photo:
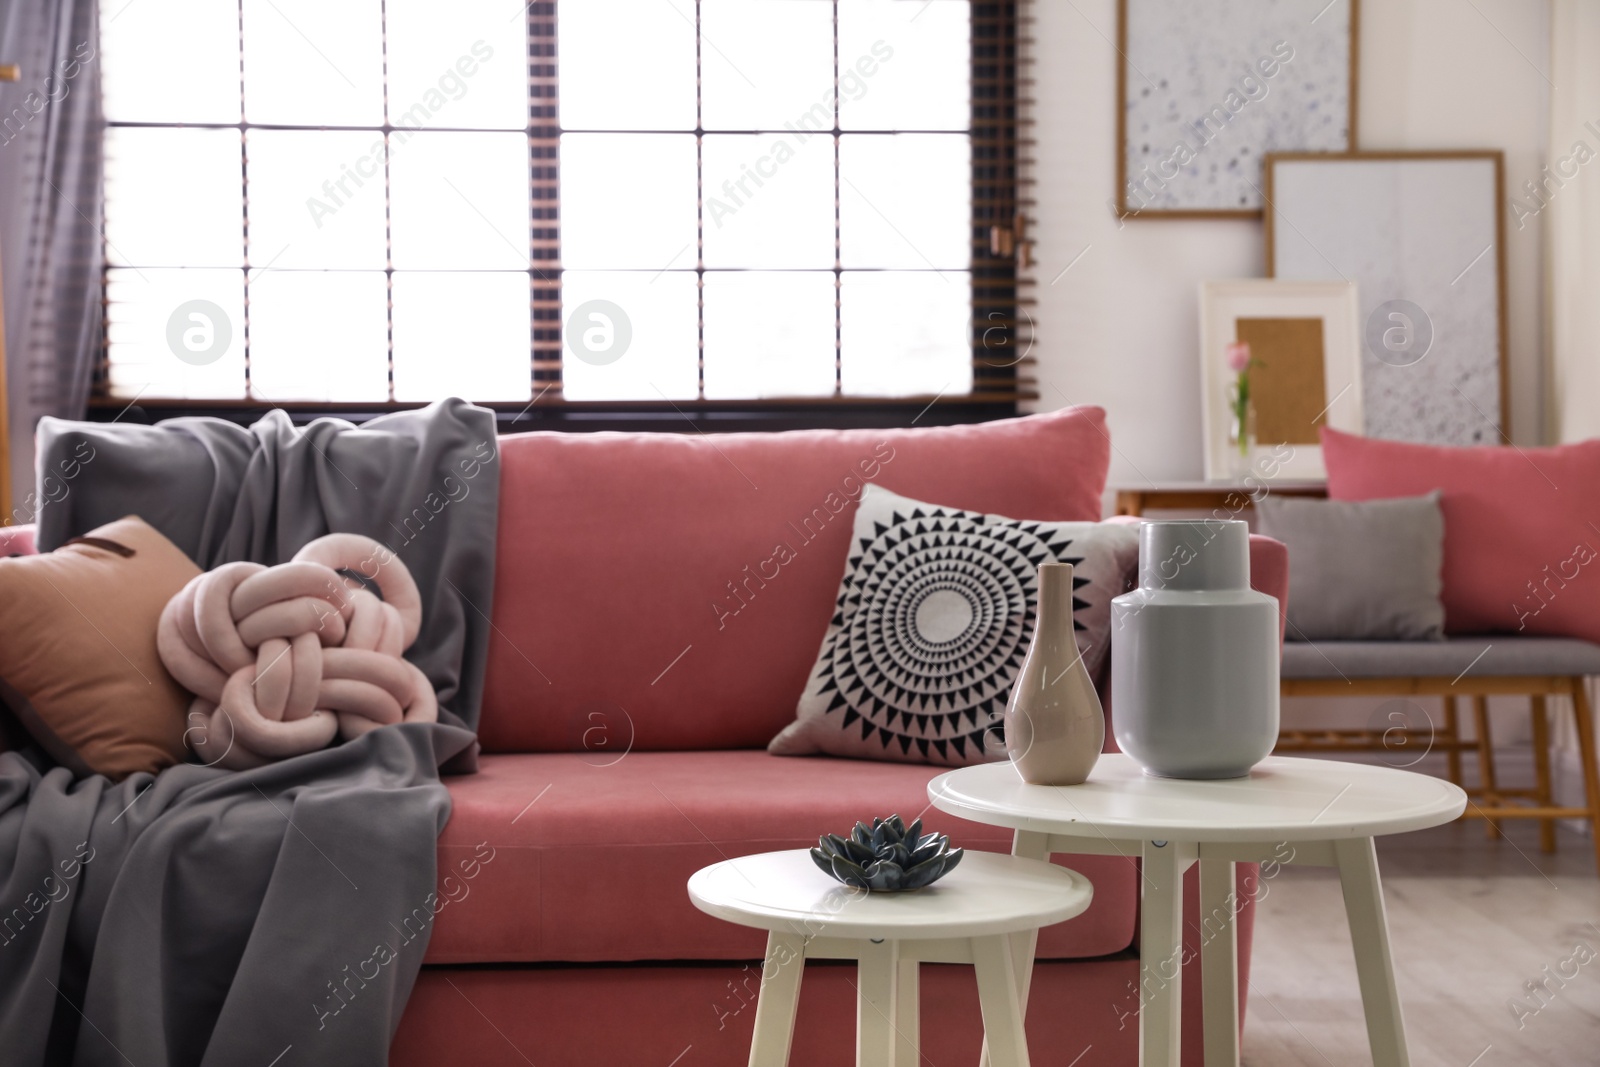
1054, 725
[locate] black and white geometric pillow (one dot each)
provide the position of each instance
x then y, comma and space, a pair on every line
934, 616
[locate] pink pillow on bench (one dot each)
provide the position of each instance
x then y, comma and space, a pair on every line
1521, 526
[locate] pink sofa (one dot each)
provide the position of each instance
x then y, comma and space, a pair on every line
648, 639
647, 644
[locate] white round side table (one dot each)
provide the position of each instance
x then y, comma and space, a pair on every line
1319, 812
965, 917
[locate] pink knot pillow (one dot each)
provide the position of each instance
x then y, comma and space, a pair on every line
282, 659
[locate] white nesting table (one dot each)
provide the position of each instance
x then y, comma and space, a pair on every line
965, 917
1287, 811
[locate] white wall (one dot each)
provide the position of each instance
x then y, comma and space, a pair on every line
1120, 328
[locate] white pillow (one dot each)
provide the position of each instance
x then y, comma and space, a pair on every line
934, 616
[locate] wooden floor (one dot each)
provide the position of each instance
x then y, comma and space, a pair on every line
1472, 921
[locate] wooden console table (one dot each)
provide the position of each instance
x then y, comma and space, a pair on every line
1232, 497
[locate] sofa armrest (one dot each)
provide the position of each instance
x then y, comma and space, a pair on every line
18, 541
1269, 573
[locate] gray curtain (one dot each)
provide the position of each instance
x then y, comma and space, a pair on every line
50, 218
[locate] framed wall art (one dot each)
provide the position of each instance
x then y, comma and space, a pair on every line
1304, 373
1206, 90
1422, 234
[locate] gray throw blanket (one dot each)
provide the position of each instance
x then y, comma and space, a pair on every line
277, 915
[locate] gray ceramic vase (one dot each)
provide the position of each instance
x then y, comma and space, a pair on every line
1194, 655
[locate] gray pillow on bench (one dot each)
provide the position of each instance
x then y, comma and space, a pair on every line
1367, 570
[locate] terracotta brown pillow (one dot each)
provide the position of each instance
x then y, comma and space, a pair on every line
78, 660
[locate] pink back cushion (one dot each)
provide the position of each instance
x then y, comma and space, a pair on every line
670, 591
1521, 526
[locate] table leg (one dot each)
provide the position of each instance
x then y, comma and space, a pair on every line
1369, 933
1219, 962
1161, 954
1541, 769
1030, 845
875, 1002
1452, 734
1033, 846
908, 1014
1486, 774
1005, 1037
1586, 755
781, 970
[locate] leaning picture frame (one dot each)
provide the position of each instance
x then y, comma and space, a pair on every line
1206, 91
1305, 371
1422, 234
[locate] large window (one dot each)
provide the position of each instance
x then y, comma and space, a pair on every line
590, 200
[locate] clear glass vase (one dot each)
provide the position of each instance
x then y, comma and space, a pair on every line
1242, 438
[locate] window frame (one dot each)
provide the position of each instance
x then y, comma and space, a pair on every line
1002, 290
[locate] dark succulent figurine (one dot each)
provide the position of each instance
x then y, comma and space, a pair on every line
886, 857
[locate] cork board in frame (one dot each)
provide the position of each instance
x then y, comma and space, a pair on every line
1288, 384
1204, 92
1422, 235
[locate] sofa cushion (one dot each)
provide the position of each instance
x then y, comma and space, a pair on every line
1521, 526
682, 582
1484, 657
933, 618
573, 857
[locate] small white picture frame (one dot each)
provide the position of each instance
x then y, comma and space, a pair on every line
1223, 304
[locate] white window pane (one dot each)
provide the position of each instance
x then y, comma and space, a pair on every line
459, 200
905, 201
630, 335
769, 333
628, 201
765, 63
460, 63
768, 201
462, 334
313, 63
319, 335
627, 64
911, 62
174, 198
168, 60
316, 198
904, 333
177, 333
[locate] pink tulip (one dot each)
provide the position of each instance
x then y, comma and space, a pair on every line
1238, 354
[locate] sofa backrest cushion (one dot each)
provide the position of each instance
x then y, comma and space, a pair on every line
670, 591
1521, 526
